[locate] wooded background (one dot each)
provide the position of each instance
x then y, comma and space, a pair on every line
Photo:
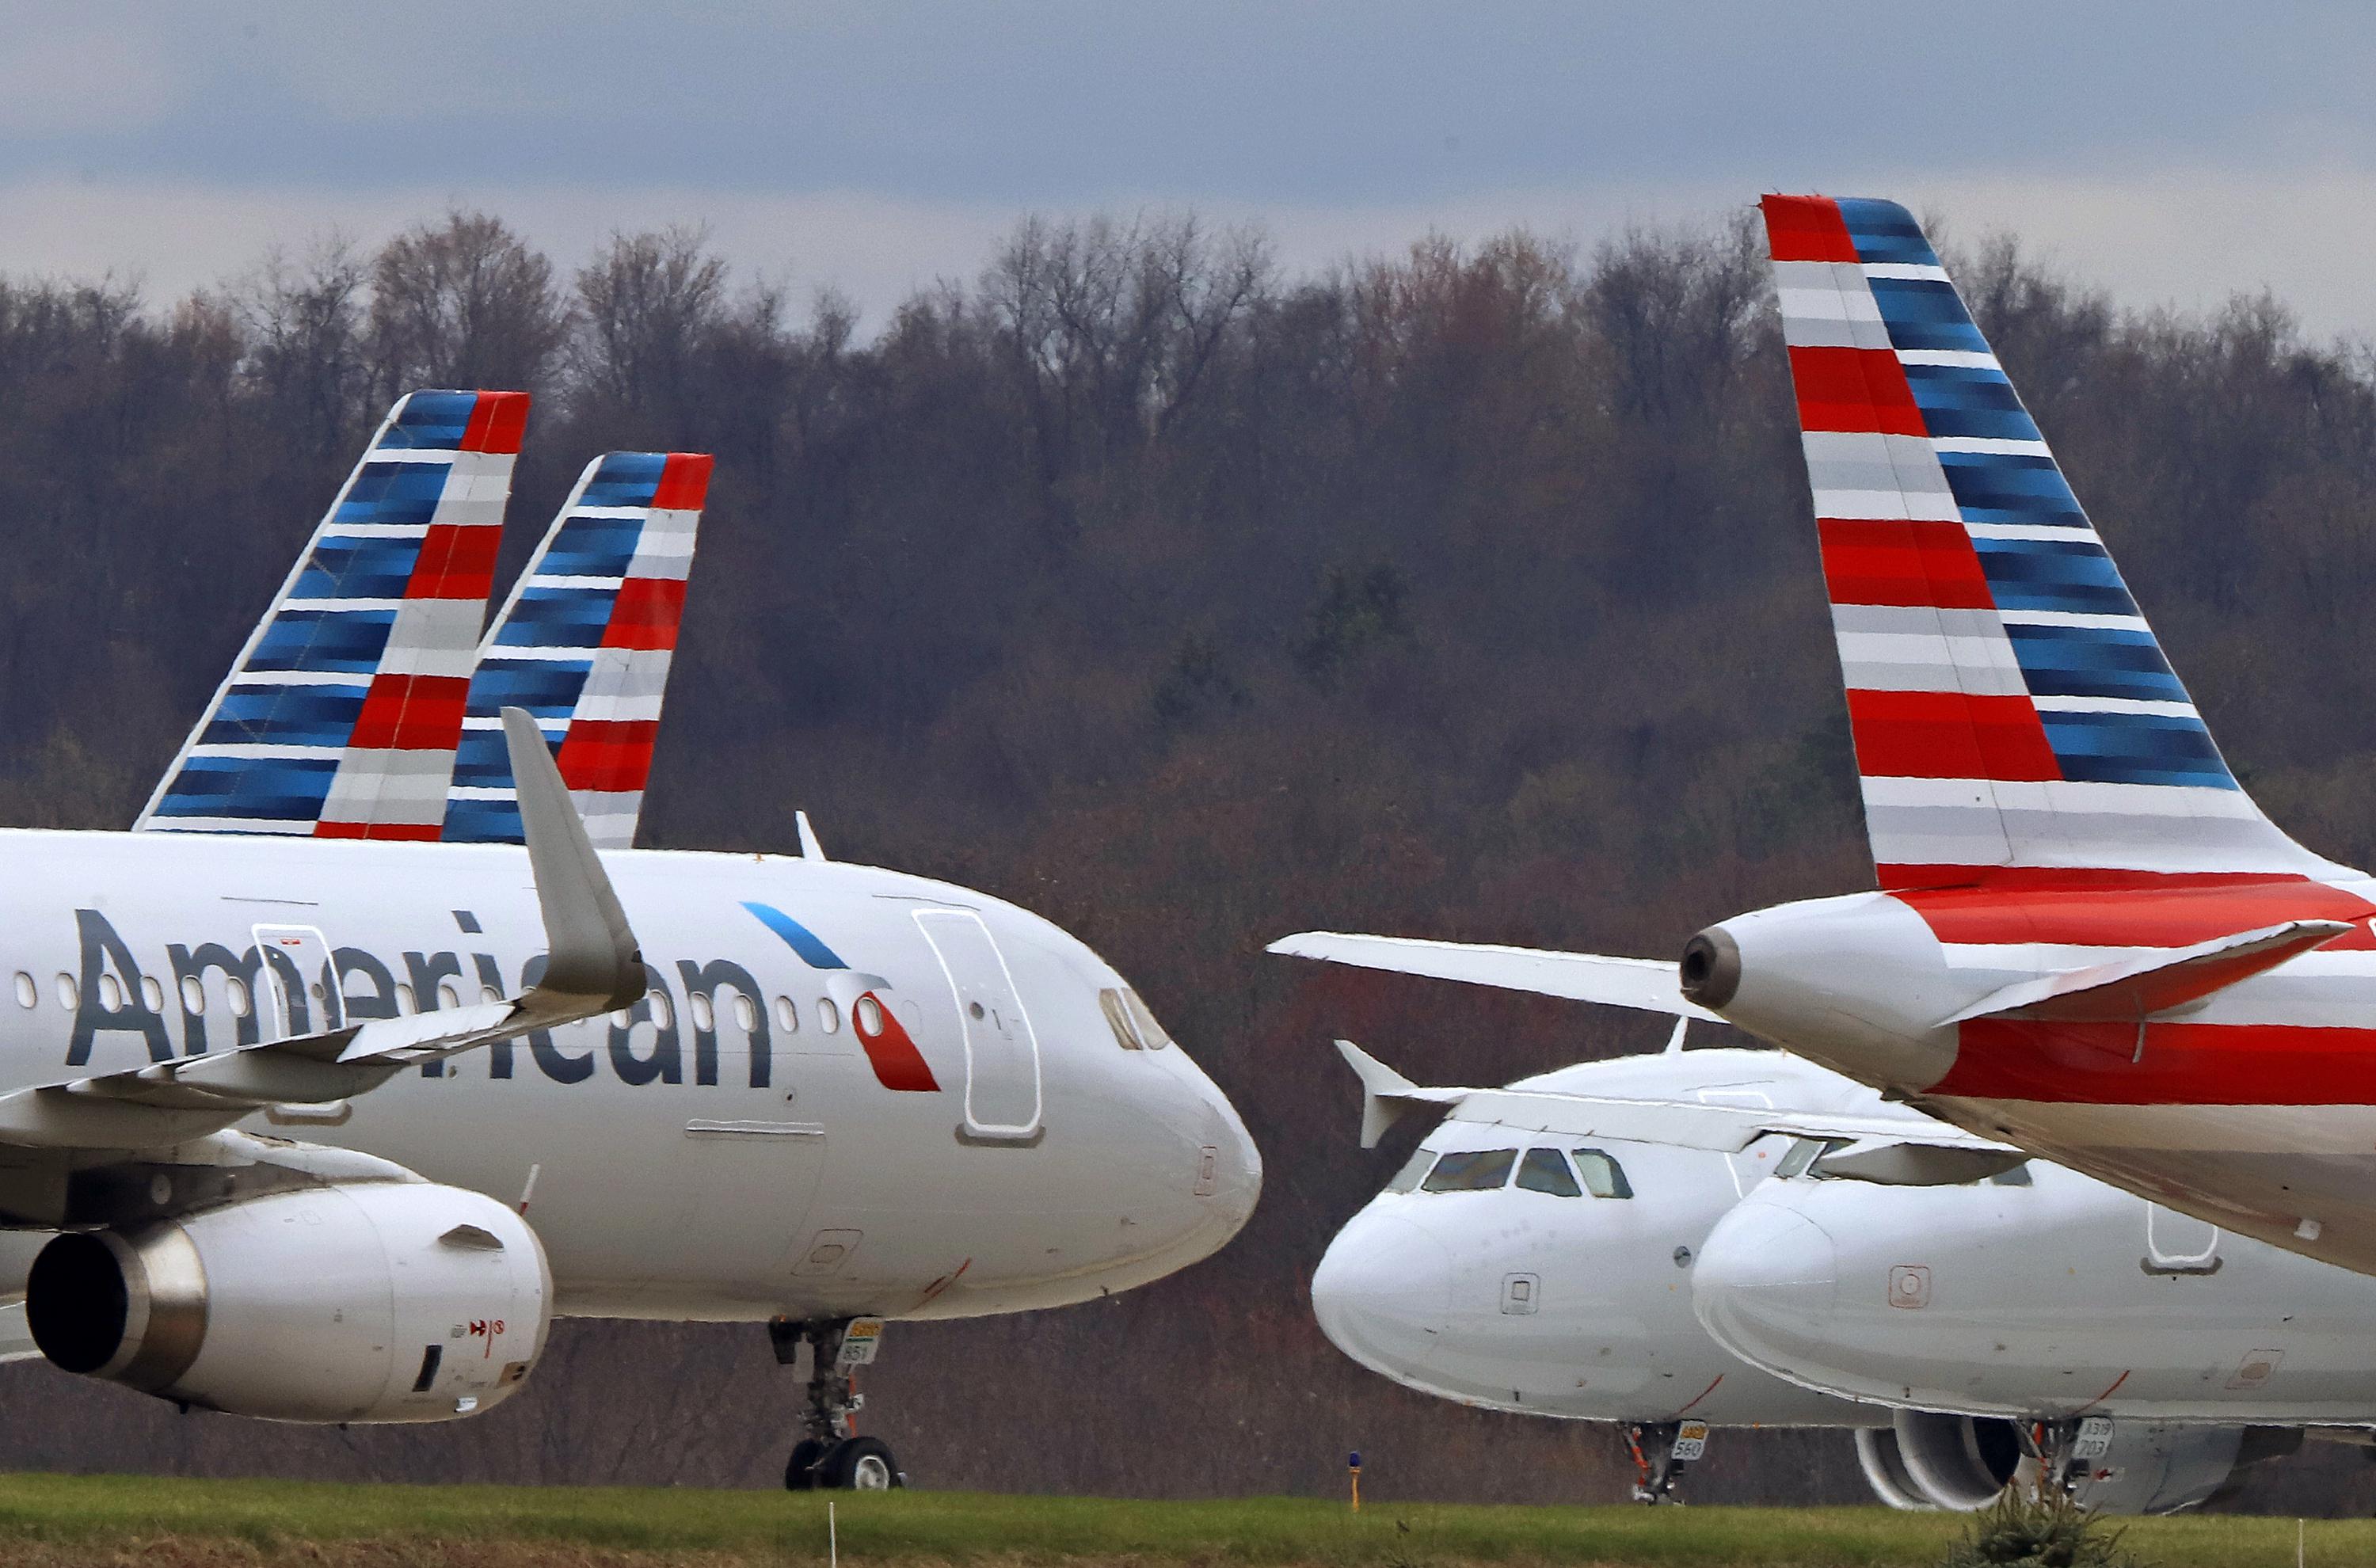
1470, 592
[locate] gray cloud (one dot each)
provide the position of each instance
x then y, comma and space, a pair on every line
822, 139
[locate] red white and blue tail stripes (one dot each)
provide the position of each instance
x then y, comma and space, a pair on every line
2010, 707
342, 715
583, 644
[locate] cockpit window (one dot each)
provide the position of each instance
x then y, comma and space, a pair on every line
2018, 1176
1471, 1170
1545, 1171
1407, 1179
1800, 1154
1603, 1177
1118, 1019
1149, 1032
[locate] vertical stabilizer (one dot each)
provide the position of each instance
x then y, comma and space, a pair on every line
342, 717
584, 645
2011, 708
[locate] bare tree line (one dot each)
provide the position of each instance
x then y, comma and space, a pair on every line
1467, 591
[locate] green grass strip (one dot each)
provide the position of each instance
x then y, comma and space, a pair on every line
954, 1527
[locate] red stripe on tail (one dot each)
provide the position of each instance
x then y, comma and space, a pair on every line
412, 713
414, 832
608, 755
1854, 389
497, 422
456, 560
685, 482
1891, 561
1949, 735
644, 615
1807, 229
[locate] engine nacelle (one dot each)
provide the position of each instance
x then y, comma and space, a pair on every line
1929, 1460
371, 1301
1884, 1471
2161, 1467
1957, 1462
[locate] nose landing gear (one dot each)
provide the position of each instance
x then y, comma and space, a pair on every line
830, 1456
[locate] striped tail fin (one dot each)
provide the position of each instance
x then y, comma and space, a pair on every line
583, 644
2010, 706
342, 715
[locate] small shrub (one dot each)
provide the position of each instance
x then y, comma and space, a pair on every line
2020, 1530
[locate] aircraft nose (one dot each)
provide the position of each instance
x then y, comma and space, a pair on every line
1383, 1292
1766, 1283
1237, 1163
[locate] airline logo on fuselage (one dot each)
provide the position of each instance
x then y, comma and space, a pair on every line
114, 998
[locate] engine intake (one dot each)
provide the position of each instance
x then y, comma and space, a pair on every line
1710, 971
1958, 1462
383, 1301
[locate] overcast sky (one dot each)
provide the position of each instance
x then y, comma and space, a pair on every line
2174, 153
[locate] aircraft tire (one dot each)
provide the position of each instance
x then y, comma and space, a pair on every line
858, 1464
799, 1470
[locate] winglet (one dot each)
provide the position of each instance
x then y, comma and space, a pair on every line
593, 951
810, 849
1386, 1094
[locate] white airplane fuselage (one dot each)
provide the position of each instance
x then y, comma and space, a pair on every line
705, 1158
2044, 1295
2056, 1298
1418, 1285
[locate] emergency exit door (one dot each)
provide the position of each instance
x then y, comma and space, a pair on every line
1001, 1092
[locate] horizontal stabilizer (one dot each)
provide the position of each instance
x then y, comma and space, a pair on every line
1386, 1094
1648, 984
2152, 982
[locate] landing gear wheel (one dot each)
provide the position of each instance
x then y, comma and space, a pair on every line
799, 1470
859, 1464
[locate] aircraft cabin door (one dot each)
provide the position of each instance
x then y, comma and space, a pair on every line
1002, 1093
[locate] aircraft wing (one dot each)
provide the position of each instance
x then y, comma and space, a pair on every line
1648, 984
593, 966
1906, 1149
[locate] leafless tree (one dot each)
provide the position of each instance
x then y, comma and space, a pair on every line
465, 303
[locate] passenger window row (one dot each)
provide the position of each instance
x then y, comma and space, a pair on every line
1540, 1169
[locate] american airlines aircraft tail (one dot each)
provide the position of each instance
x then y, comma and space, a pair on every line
2011, 708
342, 717
584, 643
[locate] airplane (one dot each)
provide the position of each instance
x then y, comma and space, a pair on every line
2085, 939
727, 1088
1725, 1237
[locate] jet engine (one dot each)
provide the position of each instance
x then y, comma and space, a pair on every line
1930, 1460
2161, 1467
1884, 1471
1956, 1462
364, 1301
